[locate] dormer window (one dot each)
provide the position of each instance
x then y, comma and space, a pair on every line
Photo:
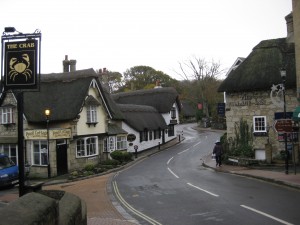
91, 110
173, 113
6, 115
92, 114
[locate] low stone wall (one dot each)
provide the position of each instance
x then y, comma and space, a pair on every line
45, 208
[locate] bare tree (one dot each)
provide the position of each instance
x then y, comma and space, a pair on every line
199, 69
206, 76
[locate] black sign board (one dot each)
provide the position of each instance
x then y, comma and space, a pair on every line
221, 109
20, 65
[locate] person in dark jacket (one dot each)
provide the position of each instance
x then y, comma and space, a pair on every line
218, 151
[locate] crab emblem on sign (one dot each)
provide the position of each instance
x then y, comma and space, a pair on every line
20, 66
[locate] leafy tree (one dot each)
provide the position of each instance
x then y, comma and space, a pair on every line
145, 77
112, 80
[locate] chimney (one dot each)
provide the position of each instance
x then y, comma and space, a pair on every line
72, 65
290, 27
157, 85
66, 64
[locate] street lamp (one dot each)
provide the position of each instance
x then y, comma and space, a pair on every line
47, 114
283, 77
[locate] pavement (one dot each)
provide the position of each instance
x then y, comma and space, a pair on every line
103, 209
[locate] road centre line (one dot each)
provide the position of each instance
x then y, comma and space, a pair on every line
136, 212
183, 151
267, 215
169, 160
173, 173
208, 192
197, 144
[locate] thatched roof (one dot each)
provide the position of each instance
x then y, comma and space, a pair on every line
261, 69
141, 117
162, 99
64, 94
187, 110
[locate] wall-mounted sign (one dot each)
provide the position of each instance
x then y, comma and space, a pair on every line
131, 137
221, 109
42, 134
20, 66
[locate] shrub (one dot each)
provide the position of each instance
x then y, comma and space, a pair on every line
242, 144
121, 156
117, 155
89, 167
110, 162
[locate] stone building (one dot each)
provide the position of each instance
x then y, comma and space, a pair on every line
254, 92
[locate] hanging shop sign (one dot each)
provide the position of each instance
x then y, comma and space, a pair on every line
20, 64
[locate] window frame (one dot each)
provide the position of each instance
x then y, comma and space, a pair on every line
259, 124
42, 145
91, 114
87, 146
7, 150
6, 115
121, 142
173, 113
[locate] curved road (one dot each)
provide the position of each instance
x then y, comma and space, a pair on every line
173, 188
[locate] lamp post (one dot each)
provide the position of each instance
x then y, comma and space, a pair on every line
47, 114
283, 77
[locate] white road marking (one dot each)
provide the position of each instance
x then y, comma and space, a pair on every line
197, 144
183, 151
208, 192
267, 215
173, 173
136, 212
169, 161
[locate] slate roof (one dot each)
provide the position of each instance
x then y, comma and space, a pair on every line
64, 94
162, 99
141, 117
261, 69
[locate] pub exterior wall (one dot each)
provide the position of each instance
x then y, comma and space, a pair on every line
249, 104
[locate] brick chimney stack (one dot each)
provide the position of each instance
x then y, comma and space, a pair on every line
66, 64
290, 27
69, 65
72, 65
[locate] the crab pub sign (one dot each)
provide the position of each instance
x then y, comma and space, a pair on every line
20, 65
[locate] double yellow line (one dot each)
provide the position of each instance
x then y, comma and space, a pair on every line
136, 212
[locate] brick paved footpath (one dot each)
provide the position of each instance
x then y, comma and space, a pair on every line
100, 209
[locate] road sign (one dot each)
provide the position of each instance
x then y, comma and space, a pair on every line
283, 125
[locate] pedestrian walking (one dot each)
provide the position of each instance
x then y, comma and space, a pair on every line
218, 151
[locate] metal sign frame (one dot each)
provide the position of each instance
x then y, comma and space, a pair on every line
14, 47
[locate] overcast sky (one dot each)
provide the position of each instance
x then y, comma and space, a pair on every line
120, 34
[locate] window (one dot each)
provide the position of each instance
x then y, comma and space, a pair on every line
40, 153
150, 135
173, 113
111, 143
259, 124
87, 147
121, 142
171, 130
11, 151
157, 134
6, 115
92, 114
144, 135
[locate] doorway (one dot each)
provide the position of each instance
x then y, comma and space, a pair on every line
61, 157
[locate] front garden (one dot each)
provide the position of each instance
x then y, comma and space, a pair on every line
118, 159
